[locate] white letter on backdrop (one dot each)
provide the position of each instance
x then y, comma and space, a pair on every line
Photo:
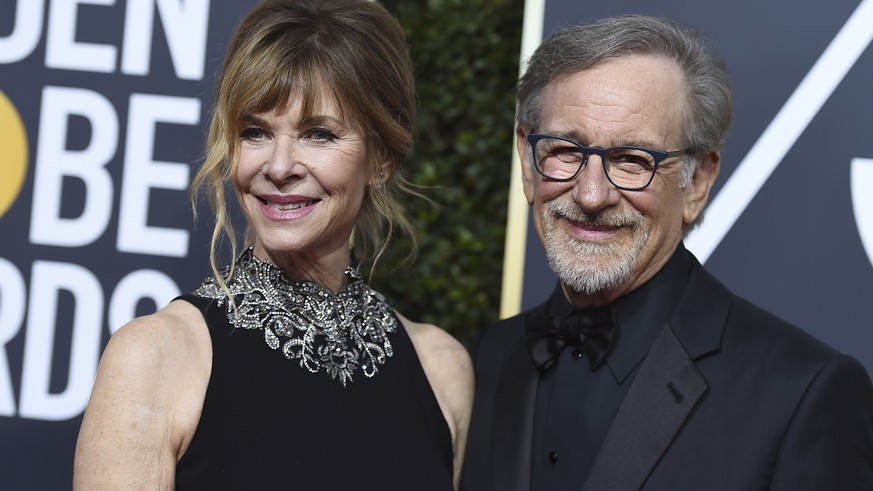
12, 302
185, 23
48, 279
141, 173
61, 49
21, 42
54, 162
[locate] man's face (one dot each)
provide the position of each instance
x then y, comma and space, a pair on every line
601, 241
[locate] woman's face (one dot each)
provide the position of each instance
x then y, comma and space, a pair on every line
301, 184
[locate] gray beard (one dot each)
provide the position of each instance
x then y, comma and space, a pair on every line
585, 267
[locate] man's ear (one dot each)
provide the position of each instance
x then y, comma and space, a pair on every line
524, 156
697, 191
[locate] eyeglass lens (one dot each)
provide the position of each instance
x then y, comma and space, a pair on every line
626, 166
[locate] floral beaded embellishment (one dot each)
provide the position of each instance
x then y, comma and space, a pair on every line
341, 332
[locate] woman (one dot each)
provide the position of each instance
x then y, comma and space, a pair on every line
285, 370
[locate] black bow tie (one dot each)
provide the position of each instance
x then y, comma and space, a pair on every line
591, 330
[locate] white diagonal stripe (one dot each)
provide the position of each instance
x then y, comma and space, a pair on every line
812, 93
862, 202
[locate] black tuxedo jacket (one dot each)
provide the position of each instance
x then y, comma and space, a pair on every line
728, 398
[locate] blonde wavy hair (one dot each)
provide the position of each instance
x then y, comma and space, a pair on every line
353, 50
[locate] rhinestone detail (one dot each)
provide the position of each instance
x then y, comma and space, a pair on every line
340, 332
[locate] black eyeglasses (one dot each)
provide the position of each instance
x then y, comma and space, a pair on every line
629, 168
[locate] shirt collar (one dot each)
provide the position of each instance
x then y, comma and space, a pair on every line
640, 314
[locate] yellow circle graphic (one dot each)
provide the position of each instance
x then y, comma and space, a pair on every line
13, 153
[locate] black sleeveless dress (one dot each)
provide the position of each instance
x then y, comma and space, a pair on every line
269, 424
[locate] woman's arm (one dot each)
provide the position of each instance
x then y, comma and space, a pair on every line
449, 370
146, 402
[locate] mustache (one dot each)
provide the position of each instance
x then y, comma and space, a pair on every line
609, 217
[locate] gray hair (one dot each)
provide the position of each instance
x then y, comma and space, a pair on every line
576, 48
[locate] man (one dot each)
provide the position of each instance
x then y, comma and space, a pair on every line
642, 371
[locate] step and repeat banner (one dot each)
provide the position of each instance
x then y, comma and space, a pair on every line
103, 105
790, 224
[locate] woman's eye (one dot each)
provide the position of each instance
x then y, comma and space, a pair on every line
253, 134
321, 134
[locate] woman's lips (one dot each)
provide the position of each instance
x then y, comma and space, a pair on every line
286, 207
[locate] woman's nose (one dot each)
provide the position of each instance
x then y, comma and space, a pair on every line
285, 161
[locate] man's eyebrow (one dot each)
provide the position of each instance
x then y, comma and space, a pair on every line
576, 137
568, 134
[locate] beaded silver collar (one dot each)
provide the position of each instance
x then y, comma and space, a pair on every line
341, 332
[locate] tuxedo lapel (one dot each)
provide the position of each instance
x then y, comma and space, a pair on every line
512, 432
666, 388
663, 394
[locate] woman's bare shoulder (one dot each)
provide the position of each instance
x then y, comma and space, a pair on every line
449, 371
434, 345
172, 335
146, 401
177, 318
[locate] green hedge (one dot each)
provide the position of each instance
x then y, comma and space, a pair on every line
465, 56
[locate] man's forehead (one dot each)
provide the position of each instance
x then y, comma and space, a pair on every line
632, 100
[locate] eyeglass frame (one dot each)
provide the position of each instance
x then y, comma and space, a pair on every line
658, 155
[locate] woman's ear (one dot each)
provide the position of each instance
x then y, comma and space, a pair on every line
380, 174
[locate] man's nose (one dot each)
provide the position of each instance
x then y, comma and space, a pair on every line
592, 190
